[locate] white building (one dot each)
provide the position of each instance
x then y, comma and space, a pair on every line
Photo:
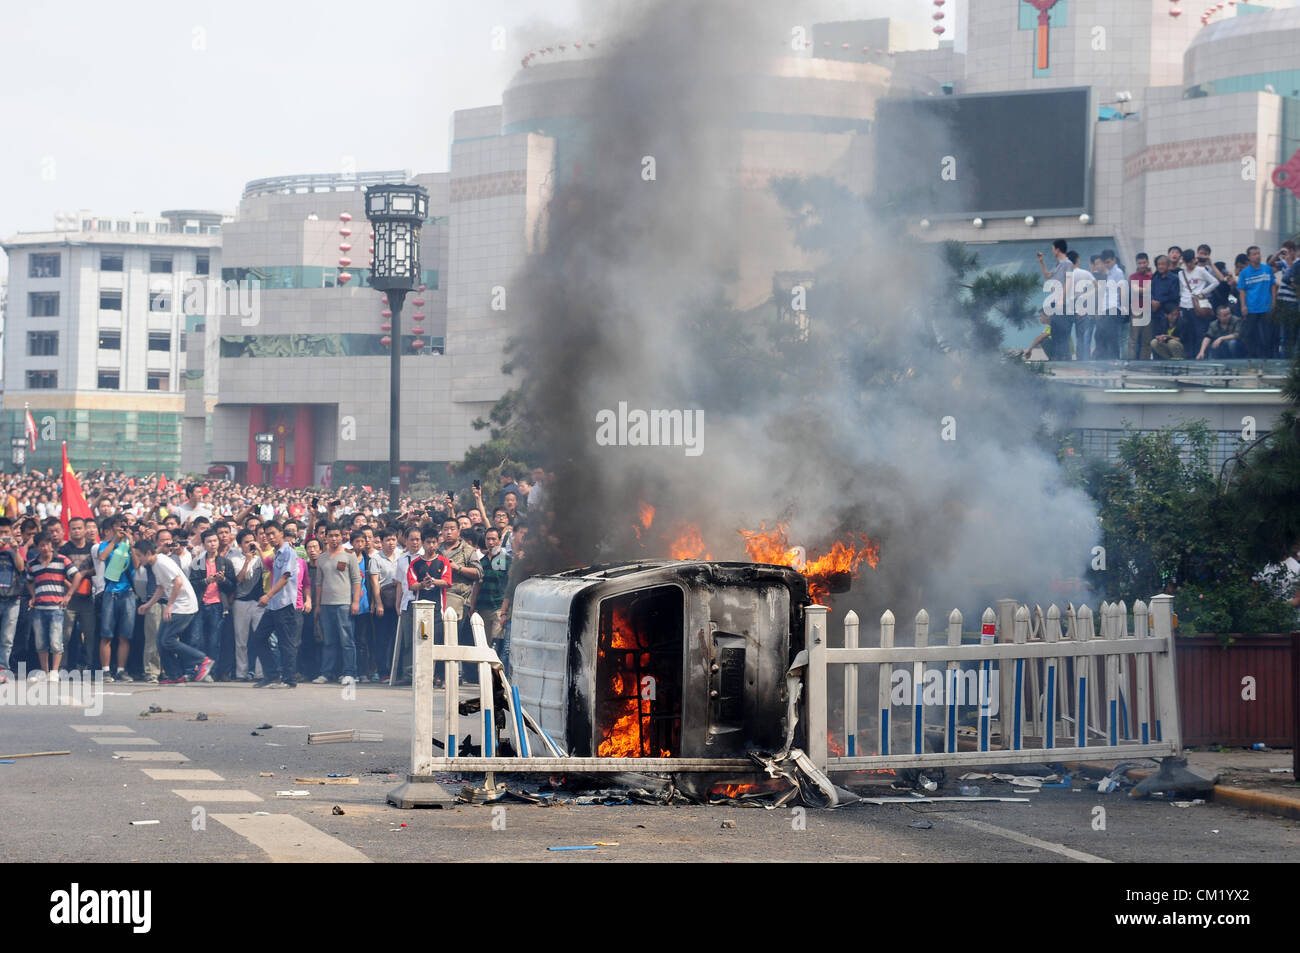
95, 336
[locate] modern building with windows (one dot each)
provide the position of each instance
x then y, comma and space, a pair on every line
95, 337
310, 366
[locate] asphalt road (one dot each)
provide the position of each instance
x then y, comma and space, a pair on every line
80, 807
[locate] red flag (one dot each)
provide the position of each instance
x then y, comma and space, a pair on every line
29, 430
74, 501
162, 482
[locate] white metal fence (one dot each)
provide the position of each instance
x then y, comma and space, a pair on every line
1030, 690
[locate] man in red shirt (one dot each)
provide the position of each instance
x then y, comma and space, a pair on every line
1139, 336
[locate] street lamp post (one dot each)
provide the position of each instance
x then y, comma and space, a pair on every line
19, 447
396, 213
265, 453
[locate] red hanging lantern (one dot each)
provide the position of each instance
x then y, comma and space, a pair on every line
344, 277
421, 288
351, 467
386, 341
345, 247
385, 314
344, 262
345, 232
939, 30
417, 344
417, 316
418, 302
385, 327
345, 217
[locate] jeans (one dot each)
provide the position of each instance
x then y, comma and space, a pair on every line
336, 622
151, 660
8, 627
47, 629
210, 629
177, 655
1085, 331
385, 638
1252, 334
281, 661
1232, 350
117, 615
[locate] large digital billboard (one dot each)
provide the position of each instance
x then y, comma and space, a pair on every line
989, 155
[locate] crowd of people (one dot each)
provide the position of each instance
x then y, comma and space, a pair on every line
1199, 308
216, 581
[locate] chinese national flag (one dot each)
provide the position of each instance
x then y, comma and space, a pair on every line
74, 501
162, 482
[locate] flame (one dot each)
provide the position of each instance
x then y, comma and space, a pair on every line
689, 544
628, 736
647, 517
732, 790
764, 546
834, 747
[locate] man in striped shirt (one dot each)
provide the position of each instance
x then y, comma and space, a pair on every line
49, 585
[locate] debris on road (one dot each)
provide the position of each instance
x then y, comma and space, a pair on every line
579, 847
292, 793
1173, 778
268, 727
969, 790
337, 811
143, 823
343, 735
265, 774
922, 824
937, 800
329, 780
34, 754
728, 825
1187, 803
254, 734
201, 716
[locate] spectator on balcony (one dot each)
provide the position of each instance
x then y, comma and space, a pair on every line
1165, 297
1286, 310
1081, 293
1060, 324
1256, 285
1195, 285
1140, 333
1222, 341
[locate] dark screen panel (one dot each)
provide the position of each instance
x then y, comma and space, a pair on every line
1014, 153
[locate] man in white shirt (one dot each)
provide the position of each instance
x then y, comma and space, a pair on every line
180, 609
193, 505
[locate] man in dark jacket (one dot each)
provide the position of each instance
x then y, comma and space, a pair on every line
213, 578
1165, 294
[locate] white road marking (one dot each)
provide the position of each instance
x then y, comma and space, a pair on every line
123, 741
182, 774
102, 729
216, 795
151, 756
1028, 840
287, 839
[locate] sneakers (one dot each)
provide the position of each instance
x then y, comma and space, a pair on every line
54, 675
106, 675
36, 676
122, 675
347, 680
202, 669
278, 685
319, 680
207, 678
178, 680
4, 676
151, 679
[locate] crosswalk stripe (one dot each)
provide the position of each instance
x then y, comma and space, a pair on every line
122, 741
151, 756
288, 839
182, 774
102, 729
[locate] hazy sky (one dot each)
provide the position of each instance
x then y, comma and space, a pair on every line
150, 105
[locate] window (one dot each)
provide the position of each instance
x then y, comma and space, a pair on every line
158, 380
142, 226
104, 226
43, 304
110, 301
160, 302
110, 340
42, 380
42, 343
110, 261
43, 266
201, 265
162, 228
109, 380
87, 224
123, 226
183, 336
160, 341
160, 264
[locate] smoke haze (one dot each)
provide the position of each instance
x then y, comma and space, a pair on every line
642, 295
